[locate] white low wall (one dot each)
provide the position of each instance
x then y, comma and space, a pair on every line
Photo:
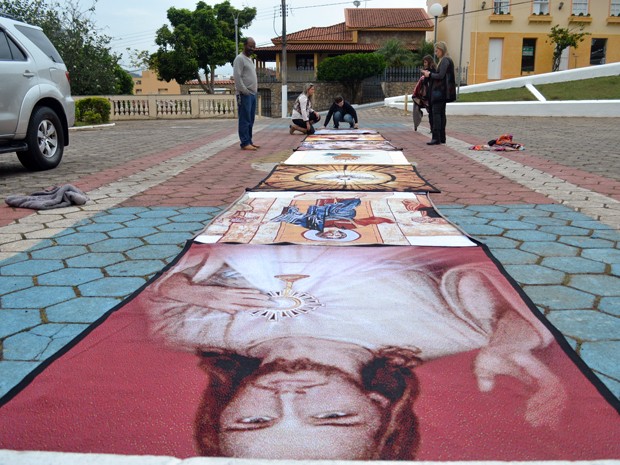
574, 108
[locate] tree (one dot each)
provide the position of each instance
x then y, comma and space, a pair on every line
563, 38
199, 41
351, 69
395, 54
84, 50
123, 82
425, 48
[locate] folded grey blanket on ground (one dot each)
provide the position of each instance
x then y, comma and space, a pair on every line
55, 197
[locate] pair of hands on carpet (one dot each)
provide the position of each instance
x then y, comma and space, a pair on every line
512, 356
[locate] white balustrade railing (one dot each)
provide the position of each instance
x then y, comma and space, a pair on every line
136, 107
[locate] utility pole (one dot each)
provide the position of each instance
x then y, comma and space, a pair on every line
237, 34
458, 88
283, 64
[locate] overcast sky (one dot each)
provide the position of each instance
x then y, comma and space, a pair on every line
132, 23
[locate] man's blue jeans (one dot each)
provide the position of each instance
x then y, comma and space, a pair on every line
246, 105
338, 117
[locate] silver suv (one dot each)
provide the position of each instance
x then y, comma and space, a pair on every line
36, 108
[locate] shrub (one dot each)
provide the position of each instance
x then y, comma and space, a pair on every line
93, 110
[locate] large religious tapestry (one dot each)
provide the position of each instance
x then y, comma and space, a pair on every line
334, 218
347, 145
347, 157
296, 352
369, 178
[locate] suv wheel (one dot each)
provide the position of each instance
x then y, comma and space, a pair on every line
45, 140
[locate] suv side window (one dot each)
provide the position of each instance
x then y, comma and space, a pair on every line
9, 51
41, 41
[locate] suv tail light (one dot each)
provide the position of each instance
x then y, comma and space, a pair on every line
68, 77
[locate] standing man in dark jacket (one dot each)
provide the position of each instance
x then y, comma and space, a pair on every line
342, 111
246, 87
443, 90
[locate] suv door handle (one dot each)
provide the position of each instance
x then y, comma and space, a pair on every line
28, 74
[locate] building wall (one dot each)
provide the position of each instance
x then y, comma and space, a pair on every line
148, 84
481, 25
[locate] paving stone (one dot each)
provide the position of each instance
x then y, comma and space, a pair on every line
559, 297
473, 220
550, 249
80, 310
514, 257
615, 269
544, 221
111, 287
487, 208
112, 218
168, 238
158, 213
135, 268
585, 325
603, 255
211, 211
37, 297
596, 284
612, 384
119, 211
592, 224
99, 227
508, 216
95, 260
530, 236
42, 244
565, 230
573, 264
552, 207
535, 274
610, 305
609, 234
602, 357
497, 242
154, 252
191, 227
31, 267
481, 229
116, 245
571, 216
69, 277
80, 238
10, 284
132, 232
11, 373
14, 321
585, 242
512, 224
524, 212
59, 252
147, 222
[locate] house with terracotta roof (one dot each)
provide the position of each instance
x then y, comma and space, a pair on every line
364, 30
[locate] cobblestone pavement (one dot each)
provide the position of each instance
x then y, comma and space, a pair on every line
549, 214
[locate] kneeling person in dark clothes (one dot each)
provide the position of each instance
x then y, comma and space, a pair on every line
341, 111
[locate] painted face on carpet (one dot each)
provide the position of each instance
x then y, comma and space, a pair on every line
306, 415
304, 409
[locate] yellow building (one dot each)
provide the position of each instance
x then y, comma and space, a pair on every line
148, 84
504, 39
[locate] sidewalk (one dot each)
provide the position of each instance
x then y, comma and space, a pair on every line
550, 215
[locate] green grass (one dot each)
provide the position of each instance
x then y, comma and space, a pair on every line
603, 88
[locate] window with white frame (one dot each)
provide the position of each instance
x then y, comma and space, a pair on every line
580, 7
614, 9
541, 7
501, 7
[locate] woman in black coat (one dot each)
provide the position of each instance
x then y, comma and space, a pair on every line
443, 90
